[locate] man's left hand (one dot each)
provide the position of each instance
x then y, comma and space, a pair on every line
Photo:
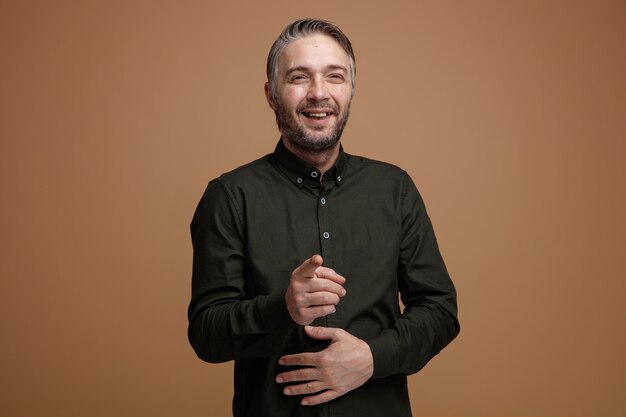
344, 365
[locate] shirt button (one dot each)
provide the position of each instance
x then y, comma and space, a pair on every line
326, 235
338, 177
299, 180
323, 200
313, 174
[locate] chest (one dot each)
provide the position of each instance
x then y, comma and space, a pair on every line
357, 232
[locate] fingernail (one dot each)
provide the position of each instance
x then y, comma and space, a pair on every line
287, 391
305, 402
279, 379
281, 361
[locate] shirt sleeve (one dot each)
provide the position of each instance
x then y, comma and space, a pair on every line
223, 323
429, 320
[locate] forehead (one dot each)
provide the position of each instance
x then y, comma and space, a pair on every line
313, 51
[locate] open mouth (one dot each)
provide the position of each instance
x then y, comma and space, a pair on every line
316, 115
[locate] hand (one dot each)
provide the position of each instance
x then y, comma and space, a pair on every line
313, 291
346, 364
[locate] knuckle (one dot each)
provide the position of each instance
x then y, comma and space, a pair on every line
304, 318
325, 298
323, 360
331, 381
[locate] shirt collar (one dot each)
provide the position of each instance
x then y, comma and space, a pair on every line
301, 173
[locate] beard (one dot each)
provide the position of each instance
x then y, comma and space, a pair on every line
307, 141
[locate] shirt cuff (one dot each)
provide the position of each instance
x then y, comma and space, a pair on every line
385, 354
273, 312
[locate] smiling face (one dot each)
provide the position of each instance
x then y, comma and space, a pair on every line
313, 93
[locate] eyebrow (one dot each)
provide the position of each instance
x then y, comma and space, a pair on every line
307, 69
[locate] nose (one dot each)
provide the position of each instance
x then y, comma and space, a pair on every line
318, 90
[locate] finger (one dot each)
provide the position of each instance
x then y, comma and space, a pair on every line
321, 284
330, 274
320, 398
302, 359
322, 333
298, 375
302, 389
314, 312
322, 298
308, 267
306, 315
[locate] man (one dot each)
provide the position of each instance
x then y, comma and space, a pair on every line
299, 256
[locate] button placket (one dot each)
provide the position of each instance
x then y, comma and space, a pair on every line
325, 232
324, 215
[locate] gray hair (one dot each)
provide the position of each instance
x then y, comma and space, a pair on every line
300, 29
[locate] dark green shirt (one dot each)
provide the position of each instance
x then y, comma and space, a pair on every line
254, 225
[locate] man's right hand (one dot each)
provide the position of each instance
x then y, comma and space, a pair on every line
313, 291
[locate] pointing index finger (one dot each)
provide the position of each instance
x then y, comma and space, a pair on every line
308, 267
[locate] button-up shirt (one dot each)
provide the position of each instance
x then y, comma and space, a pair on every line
255, 224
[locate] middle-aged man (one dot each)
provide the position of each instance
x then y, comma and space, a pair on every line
299, 256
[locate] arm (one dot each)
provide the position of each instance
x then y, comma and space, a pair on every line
427, 324
223, 323
429, 321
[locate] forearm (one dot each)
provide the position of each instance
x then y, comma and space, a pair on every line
227, 330
419, 334
226, 320
429, 321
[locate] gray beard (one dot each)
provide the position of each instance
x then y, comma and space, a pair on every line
297, 137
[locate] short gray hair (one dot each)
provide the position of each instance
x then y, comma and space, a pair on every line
300, 29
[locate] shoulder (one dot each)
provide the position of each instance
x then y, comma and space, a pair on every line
358, 162
382, 174
385, 172
248, 175
225, 193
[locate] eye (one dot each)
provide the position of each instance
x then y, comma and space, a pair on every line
336, 78
297, 78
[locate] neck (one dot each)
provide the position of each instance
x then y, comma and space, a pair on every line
322, 160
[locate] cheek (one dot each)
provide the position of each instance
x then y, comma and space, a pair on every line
343, 97
291, 97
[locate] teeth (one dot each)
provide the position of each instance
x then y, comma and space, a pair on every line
316, 114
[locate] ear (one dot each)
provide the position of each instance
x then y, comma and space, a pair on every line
268, 96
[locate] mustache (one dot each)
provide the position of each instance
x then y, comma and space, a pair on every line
316, 105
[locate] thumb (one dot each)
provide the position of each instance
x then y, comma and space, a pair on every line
321, 333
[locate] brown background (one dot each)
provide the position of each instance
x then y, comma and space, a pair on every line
510, 116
